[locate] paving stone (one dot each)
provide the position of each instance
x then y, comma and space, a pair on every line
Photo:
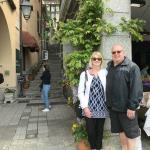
44, 123
51, 147
17, 147
43, 135
7, 132
42, 118
17, 142
20, 133
41, 114
25, 114
4, 144
13, 112
33, 120
27, 111
24, 117
42, 129
23, 122
31, 136
32, 126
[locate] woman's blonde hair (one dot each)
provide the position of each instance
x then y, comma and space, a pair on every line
95, 53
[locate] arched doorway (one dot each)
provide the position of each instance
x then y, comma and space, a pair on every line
5, 49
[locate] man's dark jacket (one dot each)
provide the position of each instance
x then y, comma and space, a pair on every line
124, 89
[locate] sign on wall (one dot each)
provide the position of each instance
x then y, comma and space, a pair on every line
44, 55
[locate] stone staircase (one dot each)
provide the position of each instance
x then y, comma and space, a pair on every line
33, 95
55, 63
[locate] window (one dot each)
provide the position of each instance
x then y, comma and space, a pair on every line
38, 23
17, 61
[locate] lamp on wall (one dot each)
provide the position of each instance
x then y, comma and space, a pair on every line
25, 9
138, 3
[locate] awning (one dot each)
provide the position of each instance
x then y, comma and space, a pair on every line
29, 42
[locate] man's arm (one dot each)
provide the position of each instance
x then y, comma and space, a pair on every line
136, 88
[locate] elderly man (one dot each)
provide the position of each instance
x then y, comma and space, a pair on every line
124, 91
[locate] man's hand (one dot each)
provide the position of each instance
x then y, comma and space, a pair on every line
87, 112
130, 114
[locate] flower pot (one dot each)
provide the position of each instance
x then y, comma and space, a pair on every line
67, 91
26, 84
82, 145
9, 97
30, 77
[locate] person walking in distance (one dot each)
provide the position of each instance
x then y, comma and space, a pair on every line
46, 77
91, 93
124, 91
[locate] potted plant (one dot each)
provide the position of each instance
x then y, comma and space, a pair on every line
30, 74
80, 136
66, 88
26, 84
9, 95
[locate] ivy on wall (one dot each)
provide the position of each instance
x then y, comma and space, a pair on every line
134, 27
85, 34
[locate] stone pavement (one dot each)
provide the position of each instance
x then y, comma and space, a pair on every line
26, 127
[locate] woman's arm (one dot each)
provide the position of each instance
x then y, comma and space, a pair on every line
81, 91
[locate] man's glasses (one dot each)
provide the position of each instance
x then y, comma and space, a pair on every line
116, 52
94, 59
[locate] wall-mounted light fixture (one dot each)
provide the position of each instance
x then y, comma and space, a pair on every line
26, 8
138, 3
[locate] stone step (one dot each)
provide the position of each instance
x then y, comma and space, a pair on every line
29, 95
35, 81
56, 73
55, 65
37, 100
53, 78
38, 92
54, 59
54, 85
53, 90
52, 71
53, 55
55, 68
31, 103
58, 54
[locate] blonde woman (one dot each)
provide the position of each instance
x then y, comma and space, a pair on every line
91, 93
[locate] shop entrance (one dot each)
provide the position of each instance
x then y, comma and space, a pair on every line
141, 53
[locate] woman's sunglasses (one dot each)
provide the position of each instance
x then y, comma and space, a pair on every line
94, 59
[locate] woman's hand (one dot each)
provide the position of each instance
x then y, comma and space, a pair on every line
87, 112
